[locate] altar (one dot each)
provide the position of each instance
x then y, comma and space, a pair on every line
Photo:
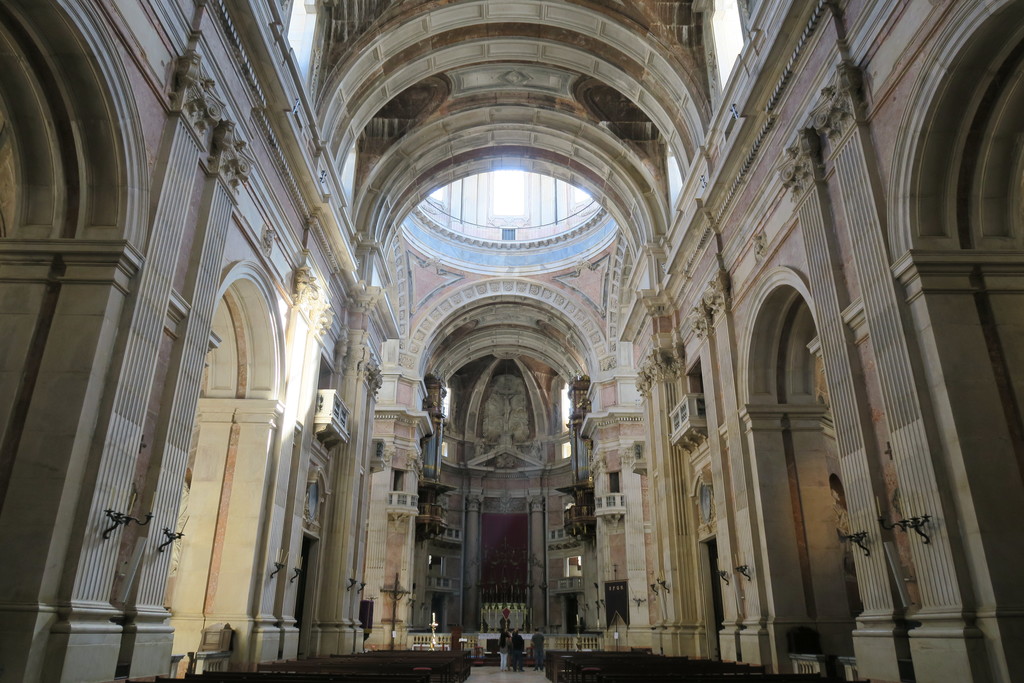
497, 615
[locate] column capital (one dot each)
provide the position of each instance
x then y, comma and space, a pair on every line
840, 104
801, 163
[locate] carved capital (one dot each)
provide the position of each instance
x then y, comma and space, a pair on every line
194, 93
372, 376
801, 163
228, 155
473, 503
718, 296
659, 366
840, 103
699, 321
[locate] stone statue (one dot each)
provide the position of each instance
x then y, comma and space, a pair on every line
506, 419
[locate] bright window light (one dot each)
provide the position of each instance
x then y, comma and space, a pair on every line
508, 193
438, 194
566, 450
725, 23
580, 196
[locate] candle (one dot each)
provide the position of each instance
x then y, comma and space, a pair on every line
300, 561
878, 506
433, 618
282, 556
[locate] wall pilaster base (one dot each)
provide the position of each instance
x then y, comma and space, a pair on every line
948, 651
150, 640
84, 646
878, 645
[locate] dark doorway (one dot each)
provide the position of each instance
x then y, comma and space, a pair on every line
300, 593
717, 612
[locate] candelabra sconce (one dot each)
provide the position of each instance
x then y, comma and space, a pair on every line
544, 586
362, 585
914, 523
639, 601
724, 576
120, 518
278, 566
654, 588
745, 570
661, 582
296, 572
351, 582
858, 539
171, 538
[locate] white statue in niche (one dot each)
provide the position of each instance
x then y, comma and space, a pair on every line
506, 419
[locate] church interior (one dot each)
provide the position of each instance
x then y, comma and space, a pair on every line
675, 326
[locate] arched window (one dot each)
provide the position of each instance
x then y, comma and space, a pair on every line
300, 32
728, 36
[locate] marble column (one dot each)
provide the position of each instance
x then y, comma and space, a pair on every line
538, 557
471, 552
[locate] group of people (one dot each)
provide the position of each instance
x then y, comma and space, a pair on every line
513, 643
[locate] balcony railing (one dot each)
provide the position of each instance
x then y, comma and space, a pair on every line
442, 583
402, 504
689, 421
571, 584
330, 420
610, 504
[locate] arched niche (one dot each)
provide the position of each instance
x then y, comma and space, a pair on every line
79, 161
957, 175
247, 359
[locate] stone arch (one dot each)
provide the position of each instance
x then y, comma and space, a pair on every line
79, 153
254, 331
775, 293
563, 306
662, 81
793, 454
953, 139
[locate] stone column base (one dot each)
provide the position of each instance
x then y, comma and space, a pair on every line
84, 646
948, 653
878, 645
150, 639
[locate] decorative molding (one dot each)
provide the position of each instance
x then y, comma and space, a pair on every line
373, 376
760, 241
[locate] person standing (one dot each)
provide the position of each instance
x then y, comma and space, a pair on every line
503, 647
518, 645
538, 650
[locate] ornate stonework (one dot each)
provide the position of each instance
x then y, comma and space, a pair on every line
840, 100
195, 94
229, 156
800, 165
659, 366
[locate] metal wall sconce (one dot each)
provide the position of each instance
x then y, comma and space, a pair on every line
745, 570
362, 585
724, 576
639, 601
120, 518
914, 523
171, 538
351, 582
654, 588
297, 571
858, 539
278, 566
661, 582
